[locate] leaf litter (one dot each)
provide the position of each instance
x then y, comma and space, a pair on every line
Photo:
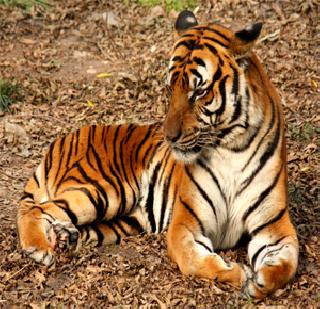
89, 62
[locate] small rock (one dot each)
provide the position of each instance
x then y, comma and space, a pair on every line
156, 11
80, 54
110, 18
92, 71
15, 132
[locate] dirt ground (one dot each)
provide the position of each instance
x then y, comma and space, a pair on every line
56, 54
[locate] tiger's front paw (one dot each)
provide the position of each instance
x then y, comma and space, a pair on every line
65, 235
42, 256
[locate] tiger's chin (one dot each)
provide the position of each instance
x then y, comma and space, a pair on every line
186, 156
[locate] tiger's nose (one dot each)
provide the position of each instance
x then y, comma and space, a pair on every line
173, 135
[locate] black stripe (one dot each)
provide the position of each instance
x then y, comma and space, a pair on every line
117, 175
133, 172
105, 176
87, 194
192, 213
115, 155
189, 44
150, 198
270, 126
197, 74
113, 229
122, 192
124, 172
48, 161
214, 178
177, 58
206, 111
203, 245
215, 31
262, 197
100, 236
60, 158
174, 77
67, 210
130, 130
103, 135
235, 83
202, 192
165, 196
43, 212
27, 195
77, 142
36, 179
211, 48
120, 227
187, 35
274, 220
221, 61
69, 151
220, 34
86, 228
93, 129
90, 163
74, 178
267, 154
222, 90
237, 111
214, 41
224, 132
158, 145
254, 134
198, 47
145, 139
216, 76
199, 61
133, 223
166, 162
255, 256
100, 210
147, 154
185, 79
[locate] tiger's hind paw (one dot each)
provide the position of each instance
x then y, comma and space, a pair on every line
66, 235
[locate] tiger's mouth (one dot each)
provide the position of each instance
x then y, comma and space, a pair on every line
187, 150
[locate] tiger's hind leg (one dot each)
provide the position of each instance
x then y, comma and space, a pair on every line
273, 254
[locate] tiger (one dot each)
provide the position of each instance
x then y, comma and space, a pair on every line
213, 172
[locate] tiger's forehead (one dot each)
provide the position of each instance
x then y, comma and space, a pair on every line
201, 36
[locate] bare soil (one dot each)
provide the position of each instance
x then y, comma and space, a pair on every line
55, 54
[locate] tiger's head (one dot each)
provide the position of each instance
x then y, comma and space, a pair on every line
207, 83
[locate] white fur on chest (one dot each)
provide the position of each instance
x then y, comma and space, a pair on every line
230, 203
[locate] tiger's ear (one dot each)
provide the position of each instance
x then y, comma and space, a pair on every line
244, 39
185, 20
